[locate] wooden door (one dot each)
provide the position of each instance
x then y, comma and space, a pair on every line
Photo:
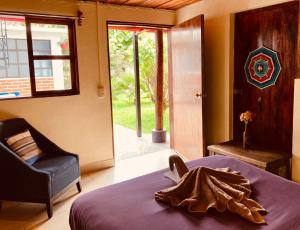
274, 27
186, 88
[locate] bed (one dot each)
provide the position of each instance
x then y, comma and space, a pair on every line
131, 204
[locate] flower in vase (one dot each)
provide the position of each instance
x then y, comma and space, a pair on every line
247, 116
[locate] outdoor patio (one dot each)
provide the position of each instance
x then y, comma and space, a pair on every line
128, 145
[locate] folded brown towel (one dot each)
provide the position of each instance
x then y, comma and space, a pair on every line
203, 188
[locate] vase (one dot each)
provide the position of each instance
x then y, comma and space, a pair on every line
245, 137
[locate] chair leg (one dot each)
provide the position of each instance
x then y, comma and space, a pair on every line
49, 205
78, 186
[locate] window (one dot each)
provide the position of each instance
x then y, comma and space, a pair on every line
18, 59
37, 57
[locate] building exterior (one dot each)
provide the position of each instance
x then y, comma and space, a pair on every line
14, 64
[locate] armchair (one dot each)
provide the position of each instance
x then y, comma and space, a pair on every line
42, 181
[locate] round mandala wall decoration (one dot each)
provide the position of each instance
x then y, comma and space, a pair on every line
262, 67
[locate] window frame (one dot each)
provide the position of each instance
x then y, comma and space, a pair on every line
72, 56
43, 68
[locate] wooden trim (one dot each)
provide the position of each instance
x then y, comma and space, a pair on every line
51, 57
204, 97
38, 96
26, 14
54, 93
72, 57
140, 24
30, 56
49, 20
110, 91
170, 83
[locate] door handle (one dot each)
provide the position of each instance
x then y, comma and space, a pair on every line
198, 95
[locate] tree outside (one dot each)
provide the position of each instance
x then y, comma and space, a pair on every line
123, 83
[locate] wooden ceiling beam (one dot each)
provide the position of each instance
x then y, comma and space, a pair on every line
184, 4
156, 4
175, 4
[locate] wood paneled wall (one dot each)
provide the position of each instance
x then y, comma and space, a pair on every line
275, 27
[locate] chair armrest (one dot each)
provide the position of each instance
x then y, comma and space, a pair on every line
16, 174
48, 146
10, 160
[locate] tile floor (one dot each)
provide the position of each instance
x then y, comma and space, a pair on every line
20, 216
128, 145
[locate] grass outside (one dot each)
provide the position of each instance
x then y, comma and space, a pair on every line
124, 114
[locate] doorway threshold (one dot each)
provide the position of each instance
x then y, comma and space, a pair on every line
128, 145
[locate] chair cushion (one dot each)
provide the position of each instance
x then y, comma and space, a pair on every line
56, 164
24, 145
63, 171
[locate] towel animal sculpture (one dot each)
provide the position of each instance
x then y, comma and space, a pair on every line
203, 188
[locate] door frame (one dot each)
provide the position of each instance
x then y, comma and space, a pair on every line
130, 24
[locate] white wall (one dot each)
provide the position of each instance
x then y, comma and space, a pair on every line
296, 133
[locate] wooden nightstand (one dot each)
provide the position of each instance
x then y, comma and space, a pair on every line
274, 162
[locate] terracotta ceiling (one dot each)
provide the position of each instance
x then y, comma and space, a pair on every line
156, 4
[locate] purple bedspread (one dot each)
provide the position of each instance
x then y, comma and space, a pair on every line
131, 205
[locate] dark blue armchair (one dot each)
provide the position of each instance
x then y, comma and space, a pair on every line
42, 181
